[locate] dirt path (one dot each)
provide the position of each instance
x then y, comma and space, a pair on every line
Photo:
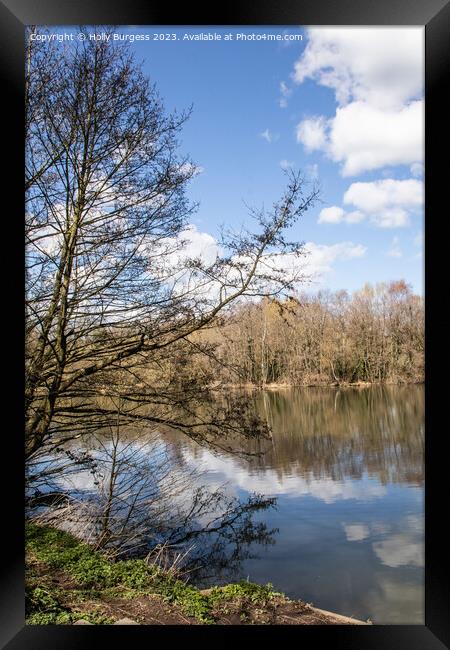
152, 610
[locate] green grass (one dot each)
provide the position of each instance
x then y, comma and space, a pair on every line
44, 607
95, 578
257, 594
88, 568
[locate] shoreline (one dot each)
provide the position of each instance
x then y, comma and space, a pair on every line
286, 386
69, 583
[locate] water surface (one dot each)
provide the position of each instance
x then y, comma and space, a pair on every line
346, 467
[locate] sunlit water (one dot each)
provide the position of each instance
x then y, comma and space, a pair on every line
346, 467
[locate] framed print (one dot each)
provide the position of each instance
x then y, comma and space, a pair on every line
233, 324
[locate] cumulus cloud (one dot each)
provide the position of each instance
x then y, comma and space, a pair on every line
391, 218
316, 261
386, 201
354, 217
321, 257
312, 133
363, 137
286, 164
49, 239
179, 261
335, 214
383, 66
179, 254
377, 78
191, 244
376, 195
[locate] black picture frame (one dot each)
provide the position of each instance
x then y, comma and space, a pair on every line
434, 15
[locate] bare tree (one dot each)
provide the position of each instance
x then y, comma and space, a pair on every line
112, 296
375, 335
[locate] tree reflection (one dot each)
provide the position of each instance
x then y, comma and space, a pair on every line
341, 433
131, 498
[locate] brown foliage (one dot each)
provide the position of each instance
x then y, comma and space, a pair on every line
376, 335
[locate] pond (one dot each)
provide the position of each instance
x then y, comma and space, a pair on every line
346, 467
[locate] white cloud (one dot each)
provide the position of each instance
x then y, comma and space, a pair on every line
376, 195
200, 244
321, 257
196, 245
315, 261
49, 239
189, 168
312, 133
285, 93
386, 201
354, 217
391, 218
269, 136
363, 137
284, 89
335, 214
377, 78
175, 261
382, 66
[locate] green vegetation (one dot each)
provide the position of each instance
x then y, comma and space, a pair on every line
257, 594
65, 575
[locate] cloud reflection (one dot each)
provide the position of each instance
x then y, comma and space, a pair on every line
270, 482
356, 532
400, 549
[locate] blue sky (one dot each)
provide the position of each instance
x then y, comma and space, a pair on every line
343, 105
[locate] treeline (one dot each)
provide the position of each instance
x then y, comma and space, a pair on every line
373, 335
